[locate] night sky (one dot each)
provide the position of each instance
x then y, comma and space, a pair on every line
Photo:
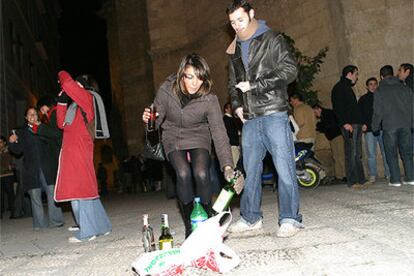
83, 44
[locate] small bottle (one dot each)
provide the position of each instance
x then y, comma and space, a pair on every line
147, 235
151, 120
166, 240
198, 214
226, 194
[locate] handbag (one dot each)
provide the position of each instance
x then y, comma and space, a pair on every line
153, 151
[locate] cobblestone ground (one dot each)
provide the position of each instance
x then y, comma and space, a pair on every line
348, 232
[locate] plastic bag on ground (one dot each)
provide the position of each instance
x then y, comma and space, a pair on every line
204, 248
160, 263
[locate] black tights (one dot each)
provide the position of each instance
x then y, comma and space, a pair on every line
186, 171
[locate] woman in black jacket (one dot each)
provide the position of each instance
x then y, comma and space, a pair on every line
38, 171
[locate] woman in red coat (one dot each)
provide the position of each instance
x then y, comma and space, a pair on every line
76, 180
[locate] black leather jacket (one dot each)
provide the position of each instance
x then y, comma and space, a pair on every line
271, 68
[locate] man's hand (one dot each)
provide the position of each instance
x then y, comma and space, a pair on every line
13, 138
244, 86
239, 113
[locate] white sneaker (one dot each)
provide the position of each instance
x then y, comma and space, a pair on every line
372, 179
73, 228
408, 182
396, 184
242, 226
76, 240
287, 230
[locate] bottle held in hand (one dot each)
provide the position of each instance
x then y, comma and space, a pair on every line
166, 240
147, 235
151, 120
226, 194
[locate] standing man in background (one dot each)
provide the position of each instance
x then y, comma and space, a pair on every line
372, 139
345, 107
261, 67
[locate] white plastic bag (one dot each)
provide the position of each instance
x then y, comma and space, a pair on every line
160, 263
204, 248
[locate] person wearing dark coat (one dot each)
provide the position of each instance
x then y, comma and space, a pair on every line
38, 172
328, 125
372, 139
345, 107
50, 130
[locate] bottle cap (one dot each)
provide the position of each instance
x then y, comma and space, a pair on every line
197, 199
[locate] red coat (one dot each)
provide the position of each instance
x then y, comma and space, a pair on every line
76, 177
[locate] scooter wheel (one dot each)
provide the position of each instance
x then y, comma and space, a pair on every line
310, 179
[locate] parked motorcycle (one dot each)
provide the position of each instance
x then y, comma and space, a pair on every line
309, 170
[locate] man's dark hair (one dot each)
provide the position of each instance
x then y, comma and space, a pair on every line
386, 71
296, 96
317, 106
349, 69
408, 66
236, 4
3, 139
371, 79
226, 105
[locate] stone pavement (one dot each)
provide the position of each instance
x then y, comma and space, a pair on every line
348, 232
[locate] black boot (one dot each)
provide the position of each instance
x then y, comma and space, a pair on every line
186, 210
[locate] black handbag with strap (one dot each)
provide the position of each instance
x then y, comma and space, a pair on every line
154, 150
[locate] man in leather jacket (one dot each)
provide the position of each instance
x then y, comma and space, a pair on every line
261, 67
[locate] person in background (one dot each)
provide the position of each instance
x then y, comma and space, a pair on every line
76, 180
6, 178
345, 107
38, 174
406, 75
49, 130
328, 125
304, 118
190, 115
372, 139
393, 110
261, 65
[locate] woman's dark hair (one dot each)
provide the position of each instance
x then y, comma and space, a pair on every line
236, 4
28, 108
88, 82
201, 70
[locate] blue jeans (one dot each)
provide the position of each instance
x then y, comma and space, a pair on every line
55, 213
353, 155
269, 133
399, 140
371, 142
91, 218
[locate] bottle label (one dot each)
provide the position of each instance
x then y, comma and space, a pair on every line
196, 221
223, 200
166, 244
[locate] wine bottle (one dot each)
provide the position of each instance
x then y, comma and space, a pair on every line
147, 235
226, 194
166, 240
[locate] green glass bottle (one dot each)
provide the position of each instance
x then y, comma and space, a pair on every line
166, 240
198, 214
226, 194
